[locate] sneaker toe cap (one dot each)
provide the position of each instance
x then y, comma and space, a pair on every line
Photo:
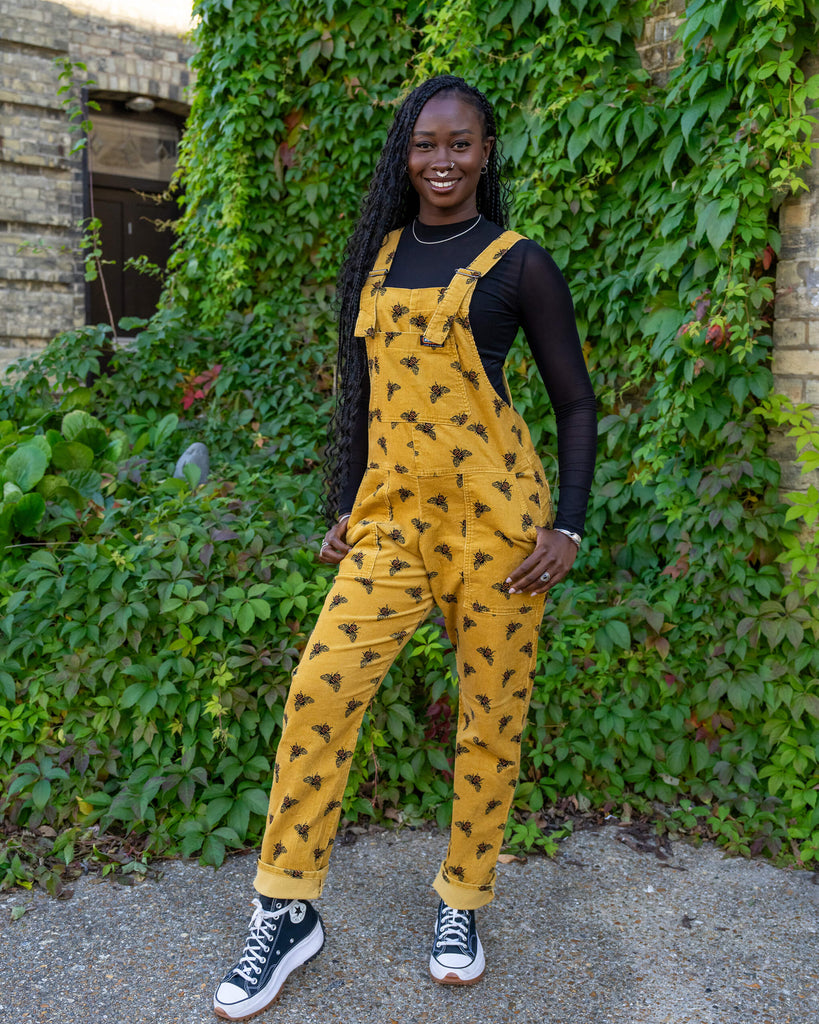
228, 994
455, 960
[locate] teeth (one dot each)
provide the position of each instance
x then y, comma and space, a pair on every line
442, 186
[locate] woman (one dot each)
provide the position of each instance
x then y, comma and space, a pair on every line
442, 500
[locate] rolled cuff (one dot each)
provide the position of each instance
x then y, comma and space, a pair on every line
463, 897
277, 883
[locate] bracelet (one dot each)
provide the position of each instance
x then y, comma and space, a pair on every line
571, 534
345, 516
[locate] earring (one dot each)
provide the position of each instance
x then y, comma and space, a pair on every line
484, 169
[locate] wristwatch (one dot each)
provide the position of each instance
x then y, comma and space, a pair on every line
569, 533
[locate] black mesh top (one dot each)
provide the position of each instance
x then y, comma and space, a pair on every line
524, 289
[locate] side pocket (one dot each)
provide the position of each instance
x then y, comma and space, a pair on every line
371, 508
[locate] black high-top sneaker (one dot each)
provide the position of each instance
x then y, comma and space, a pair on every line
457, 955
283, 935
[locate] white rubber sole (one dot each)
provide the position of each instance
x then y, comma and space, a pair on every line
306, 951
459, 975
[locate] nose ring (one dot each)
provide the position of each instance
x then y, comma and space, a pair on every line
442, 174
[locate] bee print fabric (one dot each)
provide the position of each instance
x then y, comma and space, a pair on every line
448, 506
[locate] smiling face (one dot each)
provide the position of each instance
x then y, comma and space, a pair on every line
446, 154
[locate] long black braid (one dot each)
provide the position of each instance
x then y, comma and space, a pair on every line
391, 202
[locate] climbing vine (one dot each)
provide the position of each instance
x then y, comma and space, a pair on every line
679, 664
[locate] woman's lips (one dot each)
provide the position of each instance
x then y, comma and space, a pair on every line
442, 186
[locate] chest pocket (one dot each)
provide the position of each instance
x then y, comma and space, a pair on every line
418, 384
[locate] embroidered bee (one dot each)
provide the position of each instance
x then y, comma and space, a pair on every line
503, 763
400, 636
472, 377
459, 479
428, 429
512, 628
458, 871
482, 698
479, 508
332, 806
488, 654
314, 781
384, 612
404, 493
421, 525
504, 538
373, 414
468, 670
278, 849
538, 478
379, 288
526, 521
368, 657
294, 872
276, 771
324, 731
461, 749
521, 694
499, 253
456, 366
491, 806
318, 853
317, 649
459, 419
396, 565
441, 294
480, 558
474, 780
301, 700
439, 501
412, 363
482, 849
419, 321
411, 416
525, 609
352, 707
516, 738
458, 456
507, 675
287, 803
400, 469
375, 365
357, 558
517, 432
535, 498
478, 607
416, 593
342, 755
390, 337
350, 630
396, 535
367, 584
431, 575
505, 487
382, 444
437, 391
448, 598
445, 550
398, 311
370, 332
297, 751
527, 648
391, 389
337, 600
469, 623
467, 719
480, 430
466, 828
504, 722
333, 680
303, 831
463, 534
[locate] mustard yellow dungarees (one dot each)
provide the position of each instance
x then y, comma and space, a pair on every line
447, 508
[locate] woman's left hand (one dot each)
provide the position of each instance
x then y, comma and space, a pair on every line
554, 555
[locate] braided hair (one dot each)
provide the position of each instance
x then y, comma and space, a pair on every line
390, 203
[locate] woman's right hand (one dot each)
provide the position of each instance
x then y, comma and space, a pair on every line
333, 547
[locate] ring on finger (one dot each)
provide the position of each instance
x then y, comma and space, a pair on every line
546, 577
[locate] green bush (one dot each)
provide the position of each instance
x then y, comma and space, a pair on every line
149, 640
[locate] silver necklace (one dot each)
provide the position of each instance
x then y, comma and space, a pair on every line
440, 241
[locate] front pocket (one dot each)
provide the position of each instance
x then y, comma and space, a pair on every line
500, 533
419, 385
371, 509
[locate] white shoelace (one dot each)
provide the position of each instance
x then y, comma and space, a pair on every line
263, 927
454, 928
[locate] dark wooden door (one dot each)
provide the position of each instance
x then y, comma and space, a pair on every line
128, 231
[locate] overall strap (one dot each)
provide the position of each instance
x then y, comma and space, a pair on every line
374, 285
461, 285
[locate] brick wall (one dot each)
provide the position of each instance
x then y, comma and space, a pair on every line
42, 290
657, 49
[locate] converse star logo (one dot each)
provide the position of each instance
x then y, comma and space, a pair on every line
297, 912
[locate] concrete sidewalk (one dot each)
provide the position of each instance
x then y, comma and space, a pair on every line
601, 935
